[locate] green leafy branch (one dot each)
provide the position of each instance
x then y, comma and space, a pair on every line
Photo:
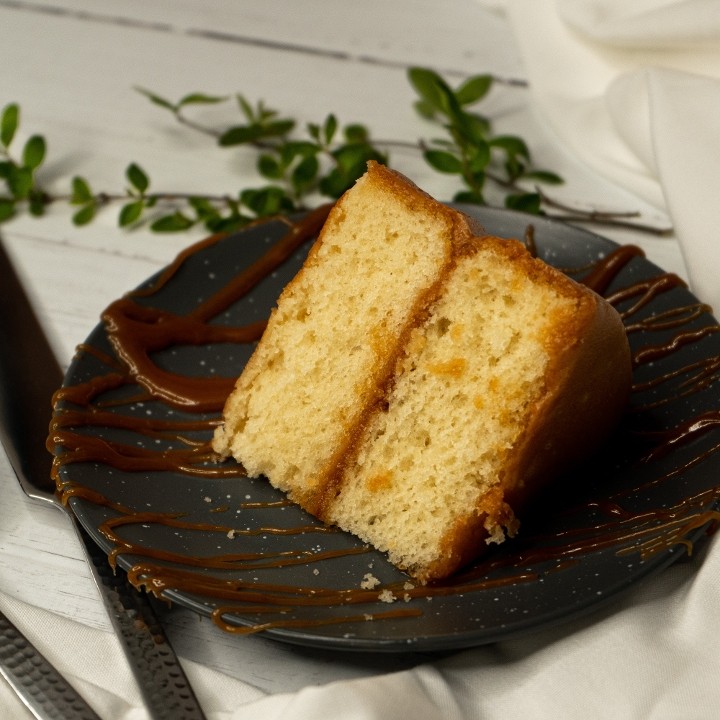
477, 156
471, 150
326, 160
20, 174
301, 165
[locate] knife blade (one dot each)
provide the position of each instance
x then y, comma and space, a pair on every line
29, 375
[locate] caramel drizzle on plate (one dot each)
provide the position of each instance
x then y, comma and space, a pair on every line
137, 331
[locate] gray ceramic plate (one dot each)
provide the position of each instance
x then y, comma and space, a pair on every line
622, 516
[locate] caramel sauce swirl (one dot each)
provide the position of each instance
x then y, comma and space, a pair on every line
136, 417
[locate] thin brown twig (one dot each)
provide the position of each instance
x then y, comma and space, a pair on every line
196, 126
607, 220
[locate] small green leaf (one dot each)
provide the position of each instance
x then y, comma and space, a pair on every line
6, 168
9, 123
305, 173
264, 114
130, 212
266, 201
512, 145
176, 222
201, 99
246, 109
514, 167
240, 134
444, 161
314, 131
20, 182
424, 109
430, 86
476, 183
278, 127
356, 133
84, 215
34, 152
7, 209
330, 128
297, 148
334, 184
478, 156
351, 162
352, 158
230, 223
474, 89
162, 102
37, 204
269, 167
81, 192
471, 128
137, 178
469, 196
543, 176
204, 209
525, 202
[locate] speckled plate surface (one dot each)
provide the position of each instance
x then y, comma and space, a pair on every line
620, 517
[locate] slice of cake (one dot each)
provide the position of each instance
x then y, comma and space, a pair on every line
325, 361
417, 383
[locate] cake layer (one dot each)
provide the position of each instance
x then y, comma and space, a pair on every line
483, 390
330, 346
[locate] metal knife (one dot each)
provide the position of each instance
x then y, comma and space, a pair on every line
29, 375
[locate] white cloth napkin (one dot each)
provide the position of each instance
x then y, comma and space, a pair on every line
632, 88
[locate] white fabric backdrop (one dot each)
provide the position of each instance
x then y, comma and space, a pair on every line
632, 88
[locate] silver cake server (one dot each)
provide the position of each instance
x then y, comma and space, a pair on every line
29, 375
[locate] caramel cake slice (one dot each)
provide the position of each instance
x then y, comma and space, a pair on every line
416, 383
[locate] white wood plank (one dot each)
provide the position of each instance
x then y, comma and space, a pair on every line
76, 88
41, 561
458, 36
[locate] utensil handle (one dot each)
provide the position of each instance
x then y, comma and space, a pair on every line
43, 690
161, 678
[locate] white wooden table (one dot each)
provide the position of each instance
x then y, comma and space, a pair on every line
73, 65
